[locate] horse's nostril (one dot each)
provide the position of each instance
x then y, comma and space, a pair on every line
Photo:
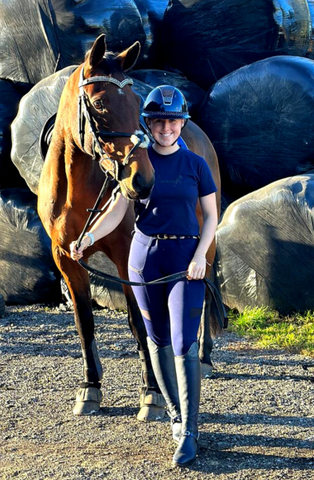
142, 186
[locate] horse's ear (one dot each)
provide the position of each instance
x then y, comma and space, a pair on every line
97, 52
128, 57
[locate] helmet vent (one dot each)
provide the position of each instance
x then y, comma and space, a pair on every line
167, 95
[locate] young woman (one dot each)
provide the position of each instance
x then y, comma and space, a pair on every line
166, 241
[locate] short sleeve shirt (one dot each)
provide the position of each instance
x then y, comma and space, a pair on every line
180, 179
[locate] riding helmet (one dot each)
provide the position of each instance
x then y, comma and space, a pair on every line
166, 101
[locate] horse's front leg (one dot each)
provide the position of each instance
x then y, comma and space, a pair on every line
89, 395
152, 403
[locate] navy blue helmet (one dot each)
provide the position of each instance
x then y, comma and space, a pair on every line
166, 101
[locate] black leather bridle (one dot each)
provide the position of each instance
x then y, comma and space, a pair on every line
138, 138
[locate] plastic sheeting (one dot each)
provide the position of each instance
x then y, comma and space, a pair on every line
28, 274
260, 120
208, 39
35, 110
265, 248
193, 93
40, 37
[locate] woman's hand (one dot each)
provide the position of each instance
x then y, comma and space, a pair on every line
197, 267
77, 253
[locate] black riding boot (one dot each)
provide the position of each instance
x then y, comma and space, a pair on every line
189, 382
162, 359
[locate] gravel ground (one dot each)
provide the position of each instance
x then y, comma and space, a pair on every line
256, 414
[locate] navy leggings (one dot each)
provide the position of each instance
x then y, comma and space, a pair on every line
171, 311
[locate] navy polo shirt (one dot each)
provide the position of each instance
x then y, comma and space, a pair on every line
180, 179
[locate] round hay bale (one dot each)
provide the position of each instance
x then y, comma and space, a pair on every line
39, 38
207, 40
260, 120
265, 254
193, 93
28, 274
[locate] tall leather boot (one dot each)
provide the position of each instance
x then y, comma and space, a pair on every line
162, 359
189, 382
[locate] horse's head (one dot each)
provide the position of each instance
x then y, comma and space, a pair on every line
109, 110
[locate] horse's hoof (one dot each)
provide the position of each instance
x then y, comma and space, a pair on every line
87, 401
152, 407
207, 370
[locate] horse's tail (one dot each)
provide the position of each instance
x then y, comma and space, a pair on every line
219, 319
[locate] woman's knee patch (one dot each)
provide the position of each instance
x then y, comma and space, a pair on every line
145, 314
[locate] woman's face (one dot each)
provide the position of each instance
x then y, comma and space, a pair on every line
166, 131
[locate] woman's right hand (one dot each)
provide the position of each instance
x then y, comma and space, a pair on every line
77, 253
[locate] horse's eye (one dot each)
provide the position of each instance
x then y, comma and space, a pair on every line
98, 104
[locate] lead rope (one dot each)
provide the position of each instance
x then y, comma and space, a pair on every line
222, 315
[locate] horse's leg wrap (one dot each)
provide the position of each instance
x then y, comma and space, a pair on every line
152, 403
88, 401
89, 396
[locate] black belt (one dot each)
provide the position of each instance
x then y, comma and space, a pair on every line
165, 236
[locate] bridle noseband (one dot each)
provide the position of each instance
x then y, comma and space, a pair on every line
138, 138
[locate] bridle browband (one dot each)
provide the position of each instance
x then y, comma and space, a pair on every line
138, 138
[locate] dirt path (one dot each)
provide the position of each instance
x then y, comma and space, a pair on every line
256, 418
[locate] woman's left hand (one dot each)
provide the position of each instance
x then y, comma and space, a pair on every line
197, 268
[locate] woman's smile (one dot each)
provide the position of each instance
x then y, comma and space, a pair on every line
166, 133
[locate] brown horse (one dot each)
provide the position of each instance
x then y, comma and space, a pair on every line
96, 137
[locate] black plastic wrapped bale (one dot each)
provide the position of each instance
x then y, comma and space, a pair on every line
265, 248
35, 110
40, 37
260, 120
206, 40
34, 122
9, 102
28, 274
193, 93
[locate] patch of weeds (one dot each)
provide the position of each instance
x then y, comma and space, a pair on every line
294, 333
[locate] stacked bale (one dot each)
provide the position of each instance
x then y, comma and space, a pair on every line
265, 252
209, 39
260, 120
39, 37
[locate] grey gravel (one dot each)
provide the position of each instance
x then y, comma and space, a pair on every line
256, 415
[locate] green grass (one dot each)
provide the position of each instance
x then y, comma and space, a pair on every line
294, 333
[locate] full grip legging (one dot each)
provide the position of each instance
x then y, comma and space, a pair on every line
171, 311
